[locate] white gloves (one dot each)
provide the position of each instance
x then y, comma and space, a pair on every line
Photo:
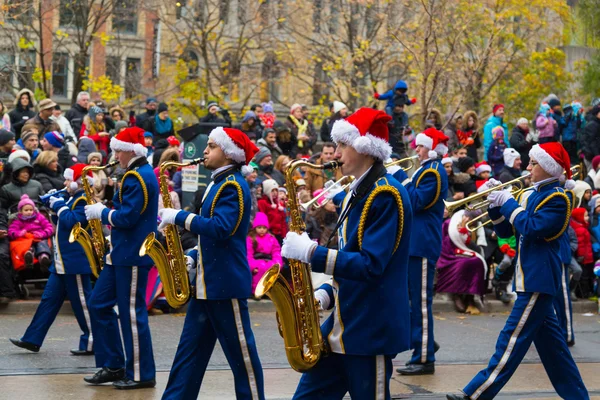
498, 198
189, 263
94, 211
322, 297
298, 247
333, 189
51, 191
393, 169
53, 200
167, 217
489, 184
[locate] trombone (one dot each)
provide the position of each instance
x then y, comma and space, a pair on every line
411, 163
345, 181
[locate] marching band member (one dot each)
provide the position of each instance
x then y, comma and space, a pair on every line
223, 279
538, 224
69, 274
427, 190
125, 274
369, 289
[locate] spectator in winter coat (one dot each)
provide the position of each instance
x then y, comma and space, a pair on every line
585, 257
557, 116
143, 120
522, 140
117, 114
466, 178
63, 123
29, 142
590, 138
266, 115
160, 146
86, 146
263, 249
583, 194
593, 176
468, 134
274, 209
495, 155
301, 128
161, 125
497, 119
434, 119
574, 122
338, 111
398, 94
7, 142
594, 213
42, 121
94, 128
512, 166
399, 131
251, 127
452, 127
213, 117
545, 124
269, 141
21, 183
4, 118
54, 141
266, 168
101, 180
286, 139
48, 172
78, 111
23, 111
315, 178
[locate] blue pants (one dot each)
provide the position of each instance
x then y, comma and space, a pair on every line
420, 287
205, 322
564, 307
532, 320
78, 289
126, 287
365, 377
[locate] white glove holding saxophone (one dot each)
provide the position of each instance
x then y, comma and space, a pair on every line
94, 211
298, 247
167, 217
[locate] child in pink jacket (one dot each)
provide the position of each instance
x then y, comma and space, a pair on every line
31, 226
263, 248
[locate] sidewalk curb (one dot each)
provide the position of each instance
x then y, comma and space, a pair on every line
24, 307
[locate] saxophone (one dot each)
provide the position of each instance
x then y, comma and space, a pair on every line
297, 309
94, 246
170, 262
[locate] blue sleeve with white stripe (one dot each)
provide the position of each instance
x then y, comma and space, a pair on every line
378, 243
224, 221
131, 207
546, 222
502, 227
67, 217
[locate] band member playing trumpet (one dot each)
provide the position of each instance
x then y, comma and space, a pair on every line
538, 222
125, 274
223, 278
69, 274
427, 190
368, 292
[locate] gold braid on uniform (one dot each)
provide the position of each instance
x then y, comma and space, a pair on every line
439, 185
572, 193
144, 190
568, 215
363, 217
82, 198
240, 200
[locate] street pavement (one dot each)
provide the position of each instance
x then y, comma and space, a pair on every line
466, 342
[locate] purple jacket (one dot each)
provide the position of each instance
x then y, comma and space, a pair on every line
38, 225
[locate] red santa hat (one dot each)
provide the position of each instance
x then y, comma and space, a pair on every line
74, 174
366, 131
482, 167
554, 159
446, 160
235, 144
434, 140
130, 139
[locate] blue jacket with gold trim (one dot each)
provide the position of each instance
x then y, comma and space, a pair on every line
427, 190
69, 258
565, 241
222, 264
369, 290
538, 224
134, 215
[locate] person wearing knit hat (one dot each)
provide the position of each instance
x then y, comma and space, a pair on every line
52, 141
173, 141
19, 154
495, 153
538, 224
512, 166
341, 108
371, 241
124, 277
496, 120
162, 125
69, 274
7, 142
223, 277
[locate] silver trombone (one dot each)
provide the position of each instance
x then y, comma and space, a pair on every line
345, 181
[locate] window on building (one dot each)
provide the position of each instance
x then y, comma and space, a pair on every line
125, 16
7, 63
60, 73
133, 77
321, 85
27, 64
71, 13
113, 69
19, 10
270, 79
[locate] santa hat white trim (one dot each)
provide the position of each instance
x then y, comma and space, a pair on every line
231, 150
120, 145
446, 160
345, 132
546, 161
424, 140
483, 168
68, 174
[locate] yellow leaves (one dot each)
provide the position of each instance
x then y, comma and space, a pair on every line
103, 37
61, 34
104, 86
38, 75
25, 44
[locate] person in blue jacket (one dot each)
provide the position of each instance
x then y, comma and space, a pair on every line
574, 122
427, 190
538, 220
395, 96
368, 292
125, 275
69, 273
497, 119
223, 278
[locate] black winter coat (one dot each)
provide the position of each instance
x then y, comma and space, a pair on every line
507, 174
590, 138
48, 178
18, 117
75, 117
66, 159
518, 142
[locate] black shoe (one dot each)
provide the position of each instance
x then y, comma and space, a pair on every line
503, 296
417, 369
28, 258
77, 352
24, 345
457, 397
128, 384
105, 375
571, 343
44, 263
